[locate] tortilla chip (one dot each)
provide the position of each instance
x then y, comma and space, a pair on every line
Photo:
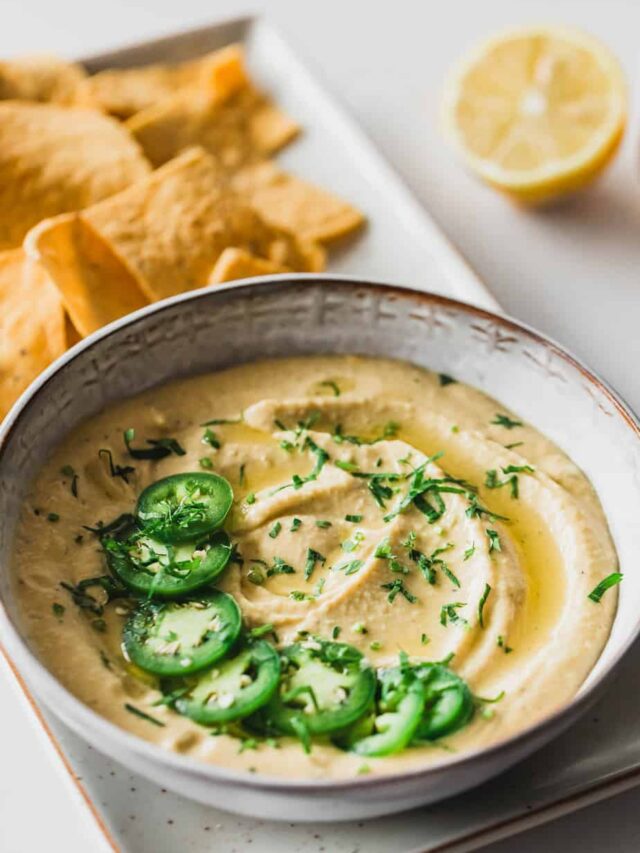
44, 79
124, 92
94, 286
238, 263
288, 202
170, 228
237, 130
32, 330
54, 160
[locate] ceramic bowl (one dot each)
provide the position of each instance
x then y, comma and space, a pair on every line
210, 329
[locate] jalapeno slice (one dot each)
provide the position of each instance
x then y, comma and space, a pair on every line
448, 702
182, 637
325, 687
184, 507
159, 570
233, 689
400, 707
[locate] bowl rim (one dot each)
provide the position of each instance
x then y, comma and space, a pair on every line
26, 661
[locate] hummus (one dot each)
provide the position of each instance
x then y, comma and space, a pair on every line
515, 551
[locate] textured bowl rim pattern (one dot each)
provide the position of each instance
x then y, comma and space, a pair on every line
19, 649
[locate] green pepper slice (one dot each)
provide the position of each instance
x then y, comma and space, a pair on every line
233, 689
448, 702
399, 711
184, 507
325, 687
182, 637
159, 570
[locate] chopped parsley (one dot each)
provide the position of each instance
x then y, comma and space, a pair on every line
375, 646
329, 383
471, 550
397, 587
494, 540
492, 481
296, 524
449, 614
321, 458
261, 630
68, 471
322, 523
250, 498
122, 471
335, 633
515, 444
354, 519
354, 542
313, 557
483, 600
143, 716
275, 530
425, 639
220, 421
359, 628
158, 447
349, 568
241, 474
53, 516
389, 430
477, 510
205, 462
506, 422
211, 439
444, 379
279, 567
58, 610
611, 580
298, 595
502, 644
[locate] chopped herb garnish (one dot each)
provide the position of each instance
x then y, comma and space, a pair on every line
389, 430
445, 380
260, 631
471, 550
506, 422
138, 713
296, 524
375, 646
354, 519
329, 383
335, 633
277, 527
397, 587
354, 542
211, 439
605, 584
99, 625
502, 643
298, 595
322, 524
313, 557
111, 588
279, 567
449, 613
349, 568
158, 449
58, 609
122, 471
289, 446
220, 421
482, 602
515, 444
250, 498
205, 462
359, 628
53, 516
477, 510
494, 540
492, 481
256, 575
424, 639
241, 474
67, 471
118, 525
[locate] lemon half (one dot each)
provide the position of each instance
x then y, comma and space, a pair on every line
537, 112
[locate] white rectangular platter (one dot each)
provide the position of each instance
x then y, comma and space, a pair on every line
401, 244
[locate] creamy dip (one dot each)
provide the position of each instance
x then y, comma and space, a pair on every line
509, 603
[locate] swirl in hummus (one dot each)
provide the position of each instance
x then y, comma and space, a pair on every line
492, 574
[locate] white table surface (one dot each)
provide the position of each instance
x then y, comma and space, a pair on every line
574, 271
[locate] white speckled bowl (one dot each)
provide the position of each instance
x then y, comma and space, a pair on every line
211, 329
